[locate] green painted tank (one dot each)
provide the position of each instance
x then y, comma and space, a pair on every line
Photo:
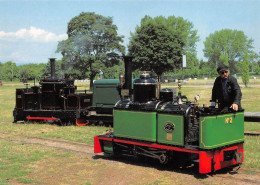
221, 130
135, 125
105, 93
170, 129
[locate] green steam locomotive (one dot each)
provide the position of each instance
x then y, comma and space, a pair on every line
171, 128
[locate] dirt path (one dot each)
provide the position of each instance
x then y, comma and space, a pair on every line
84, 167
48, 142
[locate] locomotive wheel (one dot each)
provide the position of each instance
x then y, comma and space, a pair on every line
163, 158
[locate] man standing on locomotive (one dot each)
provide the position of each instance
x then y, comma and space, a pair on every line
226, 90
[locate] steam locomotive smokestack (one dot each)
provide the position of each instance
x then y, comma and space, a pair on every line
52, 60
128, 72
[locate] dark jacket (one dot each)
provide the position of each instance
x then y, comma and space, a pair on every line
233, 89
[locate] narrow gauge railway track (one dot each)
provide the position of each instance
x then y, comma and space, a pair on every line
251, 134
49, 142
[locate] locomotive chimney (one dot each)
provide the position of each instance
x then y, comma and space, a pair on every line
52, 60
128, 73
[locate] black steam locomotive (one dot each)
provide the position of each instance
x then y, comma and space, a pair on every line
57, 100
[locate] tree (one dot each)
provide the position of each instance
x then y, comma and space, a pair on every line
31, 71
245, 69
227, 47
93, 44
24, 74
257, 69
59, 72
159, 43
9, 71
205, 69
114, 72
192, 69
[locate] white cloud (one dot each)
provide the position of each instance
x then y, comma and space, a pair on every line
28, 52
33, 35
32, 45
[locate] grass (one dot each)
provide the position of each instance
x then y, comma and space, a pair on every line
251, 126
16, 161
70, 133
252, 152
7, 102
82, 85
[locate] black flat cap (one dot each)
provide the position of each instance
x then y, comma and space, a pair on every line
222, 68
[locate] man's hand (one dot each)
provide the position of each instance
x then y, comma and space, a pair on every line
234, 106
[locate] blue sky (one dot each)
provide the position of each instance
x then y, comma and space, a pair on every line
31, 29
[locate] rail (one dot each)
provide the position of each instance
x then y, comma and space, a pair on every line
252, 116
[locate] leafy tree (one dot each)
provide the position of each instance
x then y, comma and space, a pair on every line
31, 71
114, 71
205, 69
245, 69
24, 74
158, 43
59, 72
192, 69
257, 64
9, 71
254, 58
1, 71
227, 47
257, 69
93, 44
223, 58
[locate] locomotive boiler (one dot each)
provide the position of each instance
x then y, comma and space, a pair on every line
171, 128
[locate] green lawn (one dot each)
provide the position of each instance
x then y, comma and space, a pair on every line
18, 160
69, 133
252, 152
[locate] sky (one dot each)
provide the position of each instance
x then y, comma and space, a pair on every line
31, 29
